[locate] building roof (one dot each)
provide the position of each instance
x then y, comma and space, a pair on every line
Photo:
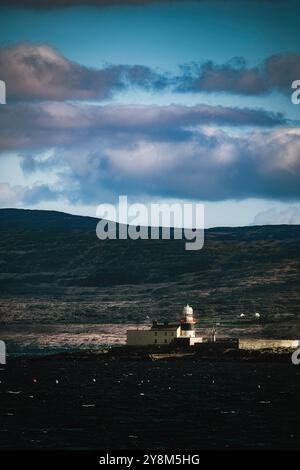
164, 326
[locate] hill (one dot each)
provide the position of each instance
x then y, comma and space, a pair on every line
53, 268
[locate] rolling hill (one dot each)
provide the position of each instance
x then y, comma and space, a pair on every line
53, 268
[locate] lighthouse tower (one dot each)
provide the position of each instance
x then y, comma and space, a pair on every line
187, 322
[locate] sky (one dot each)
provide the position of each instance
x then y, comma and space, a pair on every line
156, 100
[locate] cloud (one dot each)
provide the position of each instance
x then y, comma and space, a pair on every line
40, 72
275, 216
56, 124
275, 73
11, 195
212, 165
173, 151
51, 4
40, 192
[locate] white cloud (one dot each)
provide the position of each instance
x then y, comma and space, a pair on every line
10, 195
276, 216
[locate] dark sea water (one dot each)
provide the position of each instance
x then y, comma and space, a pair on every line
68, 403
96, 403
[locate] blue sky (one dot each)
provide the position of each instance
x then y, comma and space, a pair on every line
160, 35
151, 101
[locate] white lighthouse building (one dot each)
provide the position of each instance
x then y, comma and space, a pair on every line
187, 322
163, 333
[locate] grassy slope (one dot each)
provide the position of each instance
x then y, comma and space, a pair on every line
53, 267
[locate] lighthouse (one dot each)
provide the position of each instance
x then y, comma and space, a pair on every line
181, 333
187, 322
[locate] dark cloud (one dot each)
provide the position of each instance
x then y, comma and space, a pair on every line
54, 4
211, 166
40, 125
174, 151
40, 72
275, 73
214, 165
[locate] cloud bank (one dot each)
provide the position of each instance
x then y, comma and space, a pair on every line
54, 4
275, 73
40, 72
209, 153
171, 151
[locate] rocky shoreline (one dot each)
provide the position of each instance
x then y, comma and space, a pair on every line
125, 353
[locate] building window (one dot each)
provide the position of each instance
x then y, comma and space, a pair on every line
166, 340
172, 334
155, 341
155, 333
166, 333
